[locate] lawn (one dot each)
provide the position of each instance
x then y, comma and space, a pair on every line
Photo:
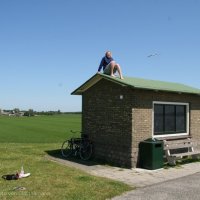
40, 129
25, 141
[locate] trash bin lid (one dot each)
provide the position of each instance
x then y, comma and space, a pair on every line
152, 140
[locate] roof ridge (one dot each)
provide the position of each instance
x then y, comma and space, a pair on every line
153, 80
139, 78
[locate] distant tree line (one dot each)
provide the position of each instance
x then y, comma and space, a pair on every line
31, 112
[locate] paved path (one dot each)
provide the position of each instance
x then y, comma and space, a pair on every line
185, 188
135, 177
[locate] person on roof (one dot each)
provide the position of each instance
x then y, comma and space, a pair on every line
109, 65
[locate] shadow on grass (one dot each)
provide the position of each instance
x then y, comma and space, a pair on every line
56, 153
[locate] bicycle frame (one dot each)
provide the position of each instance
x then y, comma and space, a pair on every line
77, 146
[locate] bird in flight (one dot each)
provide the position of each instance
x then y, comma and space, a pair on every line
151, 55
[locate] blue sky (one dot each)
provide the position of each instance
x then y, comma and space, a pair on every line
50, 47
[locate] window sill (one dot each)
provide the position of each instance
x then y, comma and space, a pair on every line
173, 137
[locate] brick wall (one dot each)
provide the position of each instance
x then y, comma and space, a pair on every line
117, 126
142, 115
108, 121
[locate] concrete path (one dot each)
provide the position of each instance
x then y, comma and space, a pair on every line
141, 178
134, 177
184, 188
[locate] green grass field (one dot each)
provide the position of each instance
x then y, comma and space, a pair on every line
40, 129
25, 141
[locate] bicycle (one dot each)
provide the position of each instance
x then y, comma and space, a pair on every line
77, 146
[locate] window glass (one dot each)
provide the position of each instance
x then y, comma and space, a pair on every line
158, 119
181, 118
169, 118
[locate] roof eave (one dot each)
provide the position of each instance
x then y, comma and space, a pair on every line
92, 81
167, 90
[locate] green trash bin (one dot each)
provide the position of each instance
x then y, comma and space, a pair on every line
151, 154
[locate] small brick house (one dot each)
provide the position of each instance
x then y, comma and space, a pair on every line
119, 114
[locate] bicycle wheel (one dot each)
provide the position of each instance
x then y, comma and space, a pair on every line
67, 148
86, 151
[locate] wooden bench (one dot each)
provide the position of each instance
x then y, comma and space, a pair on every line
185, 146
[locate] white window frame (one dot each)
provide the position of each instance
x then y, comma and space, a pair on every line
175, 134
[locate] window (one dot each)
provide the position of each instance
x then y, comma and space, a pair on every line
170, 118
